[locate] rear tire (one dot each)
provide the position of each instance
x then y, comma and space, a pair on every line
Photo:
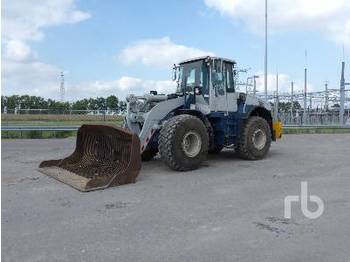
255, 139
183, 142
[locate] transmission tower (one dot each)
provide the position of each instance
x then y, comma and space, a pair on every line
326, 96
62, 89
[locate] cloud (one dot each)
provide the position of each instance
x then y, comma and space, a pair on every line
121, 87
23, 21
23, 73
40, 79
158, 52
329, 17
130, 85
33, 78
284, 84
17, 51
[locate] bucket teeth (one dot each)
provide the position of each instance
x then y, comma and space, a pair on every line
104, 156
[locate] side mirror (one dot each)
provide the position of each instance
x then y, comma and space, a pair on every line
198, 90
174, 72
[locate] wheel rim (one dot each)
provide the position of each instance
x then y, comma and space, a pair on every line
259, 139
191, 144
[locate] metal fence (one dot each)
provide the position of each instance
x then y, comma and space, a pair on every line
31, 120
313, 119
36, 117
59, 112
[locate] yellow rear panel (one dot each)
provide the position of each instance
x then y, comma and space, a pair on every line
278, 129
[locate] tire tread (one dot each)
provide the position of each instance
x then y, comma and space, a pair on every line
166, 138
242, 143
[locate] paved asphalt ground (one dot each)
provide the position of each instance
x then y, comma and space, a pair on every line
228, 210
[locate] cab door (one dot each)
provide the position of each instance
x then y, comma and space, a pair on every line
218, 99
231, 95
196, 78
202, 98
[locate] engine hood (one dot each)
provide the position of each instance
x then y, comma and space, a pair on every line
255, 101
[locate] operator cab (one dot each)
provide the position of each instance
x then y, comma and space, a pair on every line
206, 81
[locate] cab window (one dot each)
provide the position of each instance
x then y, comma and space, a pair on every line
191, 79
191, 75
230, 83
217, 77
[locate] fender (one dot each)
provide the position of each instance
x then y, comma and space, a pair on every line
154, 117
266, 114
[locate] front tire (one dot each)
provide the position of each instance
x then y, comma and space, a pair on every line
183, 142
255, 139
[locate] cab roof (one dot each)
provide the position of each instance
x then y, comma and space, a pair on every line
207, 57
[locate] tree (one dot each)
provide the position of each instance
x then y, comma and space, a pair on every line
3, 100
11, 102
101, 103
37, 102
32, 102
58, 107
112, 103
296, 105
81, 104
286, 106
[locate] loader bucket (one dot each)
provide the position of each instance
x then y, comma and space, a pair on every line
104, 156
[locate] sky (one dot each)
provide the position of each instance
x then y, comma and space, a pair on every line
120, 47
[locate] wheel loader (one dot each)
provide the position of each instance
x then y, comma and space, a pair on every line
203, 116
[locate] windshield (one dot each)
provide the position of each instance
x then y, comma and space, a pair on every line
193, 75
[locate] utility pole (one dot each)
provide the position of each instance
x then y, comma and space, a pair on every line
247, 84
305, 93
276, 99
326, 96
342, 94
255, 77
265, 80
62, 89
310, 103
305, 88
292, 100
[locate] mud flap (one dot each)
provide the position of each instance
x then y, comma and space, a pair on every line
104, 156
